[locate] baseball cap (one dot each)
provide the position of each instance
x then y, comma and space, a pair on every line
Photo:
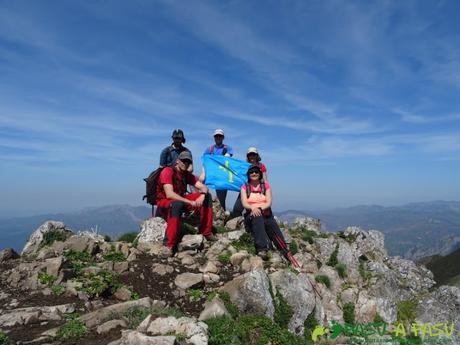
219, 132
185, 155
252, 150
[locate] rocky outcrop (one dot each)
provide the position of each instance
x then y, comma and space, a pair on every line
152, 230
36, 238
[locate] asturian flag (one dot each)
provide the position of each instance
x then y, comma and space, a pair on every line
225, 172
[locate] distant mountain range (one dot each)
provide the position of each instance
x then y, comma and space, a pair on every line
410, 230
111, 220
446, 269
414, 230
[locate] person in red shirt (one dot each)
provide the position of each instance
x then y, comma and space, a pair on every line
172, 200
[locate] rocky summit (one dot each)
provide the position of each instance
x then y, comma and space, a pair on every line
81, 288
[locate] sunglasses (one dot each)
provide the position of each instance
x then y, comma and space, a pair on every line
254, 172
186, 161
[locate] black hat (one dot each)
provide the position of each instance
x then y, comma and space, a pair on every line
178, 133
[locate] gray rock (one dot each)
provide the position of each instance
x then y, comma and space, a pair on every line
213, 309
25, 316
189, 280
309, 223
188, 260
209, 267
123, 294
191, 242
96, 317
235, 235
162, 326
152, 230
210, 278
237, 258
34, 242
252, 263
106, 327
298, 293
120, 267
235, 224
137, 338
441, 305
251, 293
162, 269
8, 254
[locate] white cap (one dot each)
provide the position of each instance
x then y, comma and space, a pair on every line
218, 132
252, 150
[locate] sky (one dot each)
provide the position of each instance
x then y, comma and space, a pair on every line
348, 102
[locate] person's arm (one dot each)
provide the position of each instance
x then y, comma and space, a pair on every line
171, 194
229, 152
255, 211
202, 175
203, 190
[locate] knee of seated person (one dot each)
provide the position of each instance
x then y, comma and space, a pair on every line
176, 208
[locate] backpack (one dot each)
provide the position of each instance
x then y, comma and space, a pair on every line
248, 189
151, 183
224, 151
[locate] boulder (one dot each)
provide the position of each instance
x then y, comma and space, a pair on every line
34, 242
8, 254
191, 242
298, 293
137, 338
189, 280
235, 224
152, 230
213, 309
250, 292
106, 327
162, 269
308, 223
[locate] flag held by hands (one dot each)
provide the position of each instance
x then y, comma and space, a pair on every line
225, 172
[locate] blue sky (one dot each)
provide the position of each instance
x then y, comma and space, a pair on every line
349, 102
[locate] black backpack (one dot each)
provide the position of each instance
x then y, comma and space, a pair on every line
151, 183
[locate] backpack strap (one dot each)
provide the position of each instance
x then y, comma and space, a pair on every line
248, 190
262, 188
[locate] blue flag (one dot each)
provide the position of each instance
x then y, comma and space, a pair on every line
224, 172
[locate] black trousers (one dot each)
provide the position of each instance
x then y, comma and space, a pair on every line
221, 196
237, 207
265, 229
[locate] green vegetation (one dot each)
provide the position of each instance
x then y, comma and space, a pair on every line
4, 339
73, 328
95, 285
341, 270
293, 247
78, 260
249, 330
245, 242
350, 238
345, 286
407, 310
57, 290
219, 229
224, 258
107, 238
333, 258
114, 255
349, 313
46, 279
195, 294
135, 315
363, 272
53, 236
211, 295
128, 237
283, 311
378, 318
231, 308
324, 280
309, 325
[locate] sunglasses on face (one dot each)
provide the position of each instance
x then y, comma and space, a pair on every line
218, 136
254, 173
186, 161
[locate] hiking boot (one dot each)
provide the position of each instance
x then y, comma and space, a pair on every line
166, 252
263, 254
211, 238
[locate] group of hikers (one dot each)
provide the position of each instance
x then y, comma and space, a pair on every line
172, 199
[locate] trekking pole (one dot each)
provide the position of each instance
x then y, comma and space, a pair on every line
287, 253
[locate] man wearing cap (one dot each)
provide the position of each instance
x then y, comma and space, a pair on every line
169, 154
224, 150
172, 201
